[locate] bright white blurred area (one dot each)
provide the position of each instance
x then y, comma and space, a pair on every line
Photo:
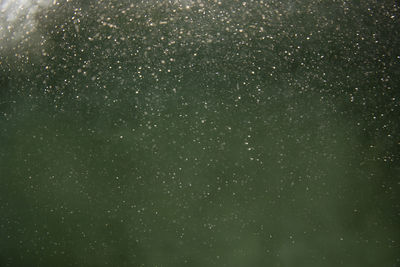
17, 18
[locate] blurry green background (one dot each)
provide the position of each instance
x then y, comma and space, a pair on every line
202, 133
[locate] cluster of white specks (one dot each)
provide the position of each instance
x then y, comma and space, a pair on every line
199, 133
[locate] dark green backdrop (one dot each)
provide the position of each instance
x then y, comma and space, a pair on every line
202, 133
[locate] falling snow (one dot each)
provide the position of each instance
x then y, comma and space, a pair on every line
199, 133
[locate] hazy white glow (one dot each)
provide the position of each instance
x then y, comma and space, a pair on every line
17, 18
